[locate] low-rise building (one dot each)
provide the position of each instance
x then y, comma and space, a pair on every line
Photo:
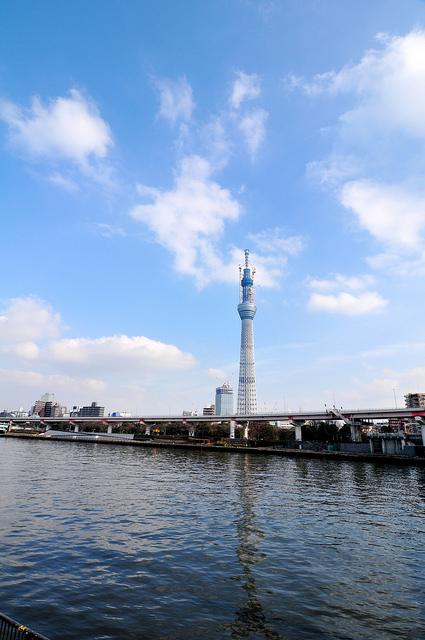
414, 401
209, 410
93, 411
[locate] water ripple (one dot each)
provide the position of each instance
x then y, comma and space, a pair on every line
119, 542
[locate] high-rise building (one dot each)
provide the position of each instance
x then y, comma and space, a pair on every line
46, 407
247, 393
224, 400
414, 400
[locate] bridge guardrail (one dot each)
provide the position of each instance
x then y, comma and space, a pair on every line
12, 630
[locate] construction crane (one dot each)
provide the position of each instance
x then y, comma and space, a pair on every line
273, 408
227, 383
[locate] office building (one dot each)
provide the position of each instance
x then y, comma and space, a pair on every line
224, 400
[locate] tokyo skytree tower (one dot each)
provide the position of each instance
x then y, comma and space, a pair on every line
247, 394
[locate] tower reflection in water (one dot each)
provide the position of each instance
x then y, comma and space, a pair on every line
253, 620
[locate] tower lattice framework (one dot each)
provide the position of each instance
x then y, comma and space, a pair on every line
247, 393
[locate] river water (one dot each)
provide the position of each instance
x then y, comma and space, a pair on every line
114, 542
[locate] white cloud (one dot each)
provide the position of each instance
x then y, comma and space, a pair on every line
394, 215
375, 165
389, 84
68, 127
188, 219
176, 100
350, 298
112, 354
348, 283
23, 350
29, 332
29, 319
253, 127
347, 303
245, 87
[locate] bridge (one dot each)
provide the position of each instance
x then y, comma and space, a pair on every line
354, 418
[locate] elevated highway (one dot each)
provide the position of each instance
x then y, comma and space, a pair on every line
348, 416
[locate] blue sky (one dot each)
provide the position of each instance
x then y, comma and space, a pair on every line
144, 146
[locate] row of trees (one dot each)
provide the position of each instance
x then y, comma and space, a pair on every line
213, 431
317, 431
321, 431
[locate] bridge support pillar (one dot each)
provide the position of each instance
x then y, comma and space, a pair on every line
76, 428
147, 430
232, 429
109, 428
298, 424
356, 433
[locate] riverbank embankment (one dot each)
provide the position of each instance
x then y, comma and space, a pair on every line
275, 450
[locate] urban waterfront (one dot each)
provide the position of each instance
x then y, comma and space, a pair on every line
109, 542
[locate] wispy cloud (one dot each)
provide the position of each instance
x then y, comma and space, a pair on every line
350, 295
108, 231
375, 163
190, 219
245, 87
176, 100
273, 240
65, 183
253, 127
338, 281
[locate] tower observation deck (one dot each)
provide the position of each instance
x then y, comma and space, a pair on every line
247, 393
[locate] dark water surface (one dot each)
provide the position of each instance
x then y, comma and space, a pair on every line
112, 542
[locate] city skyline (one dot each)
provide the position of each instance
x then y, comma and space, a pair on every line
142, 147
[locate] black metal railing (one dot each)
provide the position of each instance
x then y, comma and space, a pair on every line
11, 630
